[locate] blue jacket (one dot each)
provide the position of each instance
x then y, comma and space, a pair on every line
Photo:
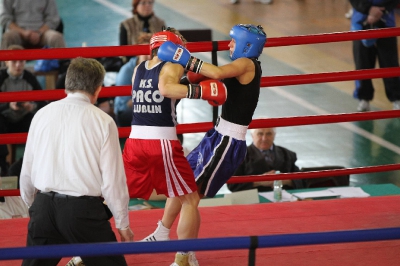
360, 14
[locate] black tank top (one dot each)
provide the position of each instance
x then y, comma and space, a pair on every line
242, 99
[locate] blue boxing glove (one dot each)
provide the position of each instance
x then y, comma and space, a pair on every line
175, 53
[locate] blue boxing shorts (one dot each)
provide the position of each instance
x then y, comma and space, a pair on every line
217, 157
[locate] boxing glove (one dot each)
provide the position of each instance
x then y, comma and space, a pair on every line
171, 52
213, 91
195, 78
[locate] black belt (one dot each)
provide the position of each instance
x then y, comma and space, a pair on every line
63, 196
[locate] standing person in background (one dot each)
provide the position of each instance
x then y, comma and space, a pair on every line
373, 14
223, 148
264, 157
31, 24
153, 155
72, 164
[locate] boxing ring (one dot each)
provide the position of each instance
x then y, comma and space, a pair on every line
313, 227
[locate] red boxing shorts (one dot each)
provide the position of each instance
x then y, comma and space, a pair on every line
157, 164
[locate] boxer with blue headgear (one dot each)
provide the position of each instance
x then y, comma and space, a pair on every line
250, 41
223, 148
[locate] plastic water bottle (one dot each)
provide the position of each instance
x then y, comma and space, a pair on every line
278, 189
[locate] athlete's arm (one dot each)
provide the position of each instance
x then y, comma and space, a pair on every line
169, 79
242, 68
213, 91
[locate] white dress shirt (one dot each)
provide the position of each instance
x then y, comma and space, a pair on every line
73, 148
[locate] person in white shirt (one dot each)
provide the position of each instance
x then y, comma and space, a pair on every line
72, 164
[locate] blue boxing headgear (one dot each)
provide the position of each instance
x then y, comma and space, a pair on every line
250, 40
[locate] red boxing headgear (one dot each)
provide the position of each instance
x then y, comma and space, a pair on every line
161, 37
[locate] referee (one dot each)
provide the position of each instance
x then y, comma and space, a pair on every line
72, 165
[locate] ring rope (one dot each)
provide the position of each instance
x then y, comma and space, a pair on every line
225, 243
132, 50
282, 176
20, 138
270, 81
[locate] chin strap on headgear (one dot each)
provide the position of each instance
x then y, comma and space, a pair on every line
249, 39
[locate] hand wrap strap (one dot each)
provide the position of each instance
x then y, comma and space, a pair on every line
194, 64
194, 91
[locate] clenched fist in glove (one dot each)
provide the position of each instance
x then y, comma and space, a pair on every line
175, 53
214, 91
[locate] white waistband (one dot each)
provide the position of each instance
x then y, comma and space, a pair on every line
150, 132
231, 129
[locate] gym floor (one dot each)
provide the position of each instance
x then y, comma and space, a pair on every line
358, 144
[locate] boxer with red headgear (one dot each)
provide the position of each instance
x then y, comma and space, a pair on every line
226, 141
153, 156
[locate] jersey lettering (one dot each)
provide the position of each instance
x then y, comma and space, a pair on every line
145, 84
147, 109
147, 96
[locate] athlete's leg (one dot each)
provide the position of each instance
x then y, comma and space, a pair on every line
189, 220
172, 208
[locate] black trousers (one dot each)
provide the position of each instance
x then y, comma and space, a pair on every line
69, 220
385, 51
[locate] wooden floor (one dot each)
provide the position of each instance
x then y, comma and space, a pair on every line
289, 18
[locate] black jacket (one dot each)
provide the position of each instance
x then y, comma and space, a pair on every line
30, 78
255, 164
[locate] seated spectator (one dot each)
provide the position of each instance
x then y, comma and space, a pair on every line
123, 104
16, 78
31, 25
264, 157
143, 20
16, 116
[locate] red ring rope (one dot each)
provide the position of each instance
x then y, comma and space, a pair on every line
131, 50
113, 91
283, 176
19, 138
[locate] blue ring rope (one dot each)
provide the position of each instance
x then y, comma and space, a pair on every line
202, 244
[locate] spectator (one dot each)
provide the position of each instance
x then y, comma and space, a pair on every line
16, 116
372, 14
16, 78
257, 162
143, 20
72, 163
130, 30
31, 25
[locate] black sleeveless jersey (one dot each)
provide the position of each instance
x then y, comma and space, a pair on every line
242, 99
